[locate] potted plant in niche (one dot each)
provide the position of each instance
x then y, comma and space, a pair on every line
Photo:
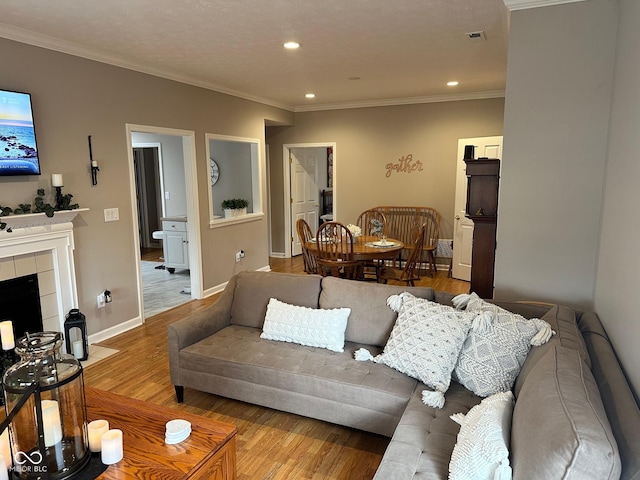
234, 207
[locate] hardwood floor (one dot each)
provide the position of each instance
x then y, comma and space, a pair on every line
271, 445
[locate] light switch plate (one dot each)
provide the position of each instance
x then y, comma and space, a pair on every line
111, 215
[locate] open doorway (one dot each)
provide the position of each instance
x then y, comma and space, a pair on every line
164, 197
310, 185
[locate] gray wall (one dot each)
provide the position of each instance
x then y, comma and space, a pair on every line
235, 181
618, 263
559, 80
74, 98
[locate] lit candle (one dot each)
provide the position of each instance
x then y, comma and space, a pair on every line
111, 447
51, 423
97, 428
78, 351
56, 180
6, 334
94, 164
5, 450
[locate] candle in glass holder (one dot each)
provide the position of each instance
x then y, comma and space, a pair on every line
112, 447
6, 335
51, 423
4, 474
97, 428
5, 450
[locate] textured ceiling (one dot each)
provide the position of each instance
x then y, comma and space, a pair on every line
401, 50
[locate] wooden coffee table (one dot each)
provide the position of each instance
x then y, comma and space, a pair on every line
208, 454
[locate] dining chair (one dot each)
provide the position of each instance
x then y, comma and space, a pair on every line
410, 273
335, 252
368, 219
372, 222
304, 235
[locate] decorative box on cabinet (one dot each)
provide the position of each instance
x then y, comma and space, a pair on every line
482, 207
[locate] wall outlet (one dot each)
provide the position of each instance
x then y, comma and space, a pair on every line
238, 256
101, 300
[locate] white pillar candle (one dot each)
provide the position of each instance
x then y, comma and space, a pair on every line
56, 180
97, 428
78, 350
112, 451
51, 423
5, 450
4, 474
6, 335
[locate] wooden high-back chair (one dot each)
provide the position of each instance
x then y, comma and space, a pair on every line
335, 252
304, 235
402, 224
366, 221
411, 271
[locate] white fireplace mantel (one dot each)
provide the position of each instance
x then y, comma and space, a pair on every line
34, 233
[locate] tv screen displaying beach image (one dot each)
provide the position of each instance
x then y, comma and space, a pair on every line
18, 150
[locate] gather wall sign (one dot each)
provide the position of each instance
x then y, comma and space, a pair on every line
405, 164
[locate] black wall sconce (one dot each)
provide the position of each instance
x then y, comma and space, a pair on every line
94, 166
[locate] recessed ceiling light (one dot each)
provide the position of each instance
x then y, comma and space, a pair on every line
452, 83
310, 95
291, 45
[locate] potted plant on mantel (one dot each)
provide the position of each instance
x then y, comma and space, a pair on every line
234, 207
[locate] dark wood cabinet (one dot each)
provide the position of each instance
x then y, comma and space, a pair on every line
482, 207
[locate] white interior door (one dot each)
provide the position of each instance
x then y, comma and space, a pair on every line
489, 147
304, 192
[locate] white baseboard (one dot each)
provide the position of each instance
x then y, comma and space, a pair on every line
115, 330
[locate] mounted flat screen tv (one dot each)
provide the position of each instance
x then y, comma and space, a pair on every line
18, 149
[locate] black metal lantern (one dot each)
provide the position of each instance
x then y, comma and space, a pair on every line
75, 334
45, 404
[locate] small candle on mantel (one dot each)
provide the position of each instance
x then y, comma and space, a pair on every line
6, 335
56, 180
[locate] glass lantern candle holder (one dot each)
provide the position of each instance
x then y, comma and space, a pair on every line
49, 438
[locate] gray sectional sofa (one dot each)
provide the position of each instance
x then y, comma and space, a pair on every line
574, 417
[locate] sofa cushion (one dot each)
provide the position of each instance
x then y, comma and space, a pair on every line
313, 327
254, 290
425, 343
371, 320
560, 428
422, 444
491, 357
563, 321
238, 352
482, 447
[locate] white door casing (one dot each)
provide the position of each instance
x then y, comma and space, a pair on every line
489, 147
304, 192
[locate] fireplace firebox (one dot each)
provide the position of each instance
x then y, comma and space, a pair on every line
20, 303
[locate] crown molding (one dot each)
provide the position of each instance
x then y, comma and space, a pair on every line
44, 41
50, 43
513, 5
403, 101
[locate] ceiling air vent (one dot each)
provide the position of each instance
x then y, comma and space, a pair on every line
479, 35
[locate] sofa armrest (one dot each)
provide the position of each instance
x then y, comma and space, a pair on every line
198, 326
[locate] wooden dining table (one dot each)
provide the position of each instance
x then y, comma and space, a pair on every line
367, 247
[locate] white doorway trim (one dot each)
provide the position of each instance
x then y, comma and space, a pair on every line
286, 151
193, 211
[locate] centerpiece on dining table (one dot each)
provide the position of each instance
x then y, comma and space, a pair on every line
355, 230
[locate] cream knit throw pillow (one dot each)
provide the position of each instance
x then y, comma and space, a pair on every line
492, 356
424, 343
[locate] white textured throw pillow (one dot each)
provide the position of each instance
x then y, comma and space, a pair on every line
482, 449
312, 327
492, 356
424, 343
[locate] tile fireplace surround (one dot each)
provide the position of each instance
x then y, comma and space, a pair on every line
43, 245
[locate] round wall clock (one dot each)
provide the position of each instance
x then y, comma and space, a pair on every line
215, 171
